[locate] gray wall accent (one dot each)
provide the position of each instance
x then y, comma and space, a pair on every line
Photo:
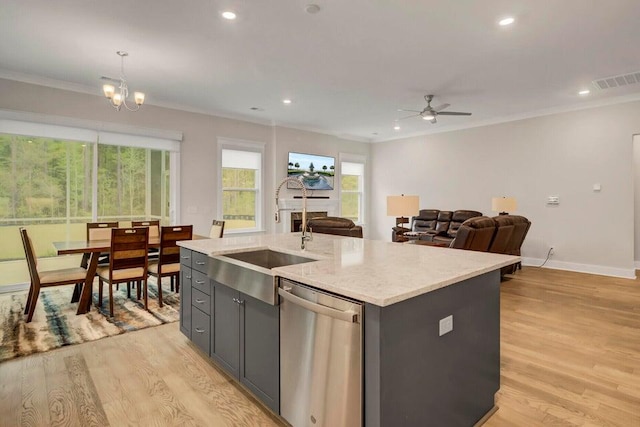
414, 377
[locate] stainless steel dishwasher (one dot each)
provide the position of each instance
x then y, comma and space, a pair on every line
320, 357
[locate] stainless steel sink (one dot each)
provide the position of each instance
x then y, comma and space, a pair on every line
257, 284
268, 259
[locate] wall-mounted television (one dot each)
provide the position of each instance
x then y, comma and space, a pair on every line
317, 171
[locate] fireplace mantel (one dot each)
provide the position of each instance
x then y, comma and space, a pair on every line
295, 205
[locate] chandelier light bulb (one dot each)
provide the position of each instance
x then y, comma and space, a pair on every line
117, 99
138, 97
109, 90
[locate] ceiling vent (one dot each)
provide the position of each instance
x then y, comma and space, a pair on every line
617, 81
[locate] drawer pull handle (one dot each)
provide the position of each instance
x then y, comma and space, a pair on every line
185, 257
189, 277
238, 301
200, 262
199, 330
200, 282
200, 301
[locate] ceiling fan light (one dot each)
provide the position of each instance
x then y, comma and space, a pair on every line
108, 90
138, 97
428, 117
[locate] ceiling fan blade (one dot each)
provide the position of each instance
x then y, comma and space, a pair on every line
441, 107
408, 117
453, 113
410, 111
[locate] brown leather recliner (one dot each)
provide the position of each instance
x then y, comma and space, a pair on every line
510, 234
425, 220
475, 234
457, 219
334, 225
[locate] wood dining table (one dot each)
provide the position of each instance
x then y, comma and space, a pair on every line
82, 293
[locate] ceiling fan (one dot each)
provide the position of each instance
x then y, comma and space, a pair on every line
430, 113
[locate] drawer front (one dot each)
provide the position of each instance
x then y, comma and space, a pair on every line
200, 261
200, 332
201, 301
200, 281
185, 257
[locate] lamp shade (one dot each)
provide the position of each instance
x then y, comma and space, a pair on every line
403, 205
504, 204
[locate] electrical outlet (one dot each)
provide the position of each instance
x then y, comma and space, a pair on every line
551, 251
446, 325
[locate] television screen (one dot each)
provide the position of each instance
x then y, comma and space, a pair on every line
317, 171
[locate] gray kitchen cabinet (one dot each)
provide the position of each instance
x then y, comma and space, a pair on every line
225, 348
246, 342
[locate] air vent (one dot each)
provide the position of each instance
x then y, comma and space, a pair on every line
617, 81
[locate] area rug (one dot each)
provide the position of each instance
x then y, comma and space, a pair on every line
55, 323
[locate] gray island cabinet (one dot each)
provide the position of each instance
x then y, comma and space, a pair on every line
431, 323
237, 331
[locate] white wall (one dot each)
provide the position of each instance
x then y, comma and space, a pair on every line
562, 154
198, 156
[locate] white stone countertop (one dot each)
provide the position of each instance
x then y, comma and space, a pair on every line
377, 272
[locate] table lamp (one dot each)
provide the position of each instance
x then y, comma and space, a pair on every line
403, 207
503, 205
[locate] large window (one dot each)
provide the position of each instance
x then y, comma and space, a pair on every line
241, 185
352, 191
54, 185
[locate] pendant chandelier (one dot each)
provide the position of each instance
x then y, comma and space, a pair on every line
119, 98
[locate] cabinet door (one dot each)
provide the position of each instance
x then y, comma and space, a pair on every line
226, 331
185, 300
260, 350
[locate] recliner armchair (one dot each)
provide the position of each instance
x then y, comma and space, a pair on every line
475, 234
334, 225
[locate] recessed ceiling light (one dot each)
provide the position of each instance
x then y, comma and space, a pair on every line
312, 8
286, 101
584, 92
396, 127
229, 15
507, 21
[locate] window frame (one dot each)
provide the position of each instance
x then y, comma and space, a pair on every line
248, 146
357, 159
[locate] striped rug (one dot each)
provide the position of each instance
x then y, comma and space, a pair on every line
55, 323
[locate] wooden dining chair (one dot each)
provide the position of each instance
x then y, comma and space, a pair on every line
217, 229
98, 231
128, 259
168, 264
154, 232
43, 279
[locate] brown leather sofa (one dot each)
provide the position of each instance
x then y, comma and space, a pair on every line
437, 226
334, 225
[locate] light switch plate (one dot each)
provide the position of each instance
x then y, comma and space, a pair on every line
446, 325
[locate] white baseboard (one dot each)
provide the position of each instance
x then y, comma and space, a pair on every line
5, 289
625, 273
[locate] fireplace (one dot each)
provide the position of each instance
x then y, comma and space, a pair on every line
296, 219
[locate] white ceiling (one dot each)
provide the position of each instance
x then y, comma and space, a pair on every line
347, 68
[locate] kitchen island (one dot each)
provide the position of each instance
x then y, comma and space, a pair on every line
430, 322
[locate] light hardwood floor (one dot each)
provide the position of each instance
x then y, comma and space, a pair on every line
570, 356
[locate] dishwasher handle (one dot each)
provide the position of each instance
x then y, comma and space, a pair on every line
347, 316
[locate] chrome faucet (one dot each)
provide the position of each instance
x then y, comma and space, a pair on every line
306, 235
